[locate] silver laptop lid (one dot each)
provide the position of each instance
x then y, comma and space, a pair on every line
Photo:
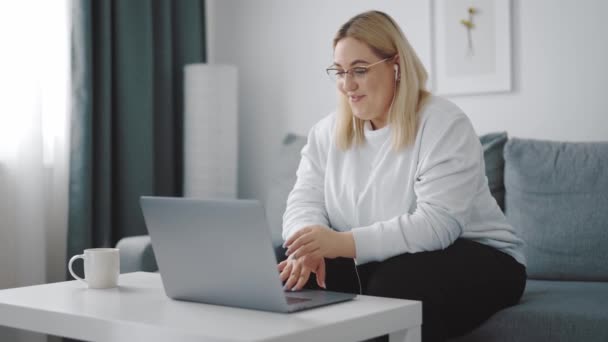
208, 253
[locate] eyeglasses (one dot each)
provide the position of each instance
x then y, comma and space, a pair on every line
358, 72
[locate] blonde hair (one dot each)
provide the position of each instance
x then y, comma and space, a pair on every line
380, 32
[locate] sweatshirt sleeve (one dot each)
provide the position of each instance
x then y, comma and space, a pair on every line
306, 201
449, 176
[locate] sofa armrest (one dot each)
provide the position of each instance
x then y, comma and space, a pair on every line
136, 254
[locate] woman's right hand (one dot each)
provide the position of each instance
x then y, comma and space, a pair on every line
295, 272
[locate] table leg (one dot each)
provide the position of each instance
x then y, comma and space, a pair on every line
407, 335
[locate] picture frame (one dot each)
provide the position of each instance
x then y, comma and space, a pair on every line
471, 46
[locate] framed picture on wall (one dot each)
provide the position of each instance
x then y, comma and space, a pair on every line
471, 46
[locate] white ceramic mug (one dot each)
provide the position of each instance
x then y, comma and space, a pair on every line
101, 267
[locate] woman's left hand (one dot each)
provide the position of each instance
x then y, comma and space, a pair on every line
320, 241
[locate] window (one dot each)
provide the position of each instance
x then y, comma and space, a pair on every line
34, 81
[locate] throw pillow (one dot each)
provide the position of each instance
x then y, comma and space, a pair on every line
556, 199
493, 145
282, 179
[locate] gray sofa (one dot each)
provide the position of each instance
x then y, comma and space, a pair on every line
554, 193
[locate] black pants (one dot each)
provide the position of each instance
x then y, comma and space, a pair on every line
460, 287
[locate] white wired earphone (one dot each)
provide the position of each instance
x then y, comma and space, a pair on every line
396, 67
358, 278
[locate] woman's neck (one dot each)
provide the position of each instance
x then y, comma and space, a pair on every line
378, 123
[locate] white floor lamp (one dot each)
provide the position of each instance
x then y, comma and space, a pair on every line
210, 131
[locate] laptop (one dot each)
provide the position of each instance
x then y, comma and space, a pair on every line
220, 252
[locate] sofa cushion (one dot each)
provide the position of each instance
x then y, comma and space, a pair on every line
556, 199
283, 175
550, 311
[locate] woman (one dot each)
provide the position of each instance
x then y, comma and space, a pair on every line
391, 197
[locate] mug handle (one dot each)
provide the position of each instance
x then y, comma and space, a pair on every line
79, 256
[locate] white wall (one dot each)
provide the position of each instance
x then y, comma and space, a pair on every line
560, 49
282, 47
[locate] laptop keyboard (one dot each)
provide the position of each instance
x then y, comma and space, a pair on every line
294, 300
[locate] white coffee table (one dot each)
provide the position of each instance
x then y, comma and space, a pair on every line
139, 310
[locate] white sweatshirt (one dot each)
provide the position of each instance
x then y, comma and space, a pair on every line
421, 198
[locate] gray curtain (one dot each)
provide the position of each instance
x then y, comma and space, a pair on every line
126, 126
